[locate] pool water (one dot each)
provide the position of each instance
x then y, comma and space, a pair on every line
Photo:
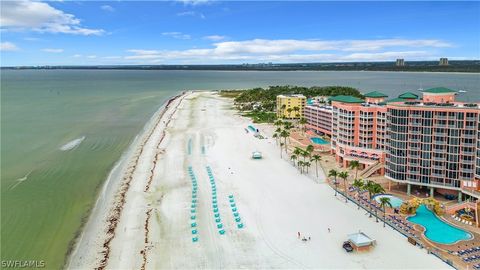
437, 230
318, 140
394, 201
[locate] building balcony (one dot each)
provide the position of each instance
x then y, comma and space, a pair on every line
468, 144
438, 175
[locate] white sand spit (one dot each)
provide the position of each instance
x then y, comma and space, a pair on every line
273, 200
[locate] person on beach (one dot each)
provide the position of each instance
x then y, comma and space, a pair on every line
298, 235
329, 230
309, 238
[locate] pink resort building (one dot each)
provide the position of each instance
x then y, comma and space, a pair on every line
431, 142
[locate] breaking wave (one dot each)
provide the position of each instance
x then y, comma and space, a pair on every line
72, 144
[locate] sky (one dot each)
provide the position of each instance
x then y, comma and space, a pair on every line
234, 32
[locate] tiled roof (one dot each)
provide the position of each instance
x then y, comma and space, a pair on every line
375, 94
346, 99
439, 90
408, 95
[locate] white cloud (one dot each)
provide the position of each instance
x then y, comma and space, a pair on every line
186, 13
50, 50
8, 46
107, 8
195, 2
112, 57
41, 17
31, 39
77, 55
191, 13
177, 35
91, 56
259, 50
215, 37
382, 56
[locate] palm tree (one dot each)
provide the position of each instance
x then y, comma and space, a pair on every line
287, 125
275, 135
369, 187
302, 122
355, 165
385, 201
344, 176
309, 148
333, 173
281, 145
373, 189
377, 189
316, 159
296, 109
359, 184
284, 134
300, 165
305, 154
278, 123
289, 111
293, 158
297, 151
307, 164
283, 109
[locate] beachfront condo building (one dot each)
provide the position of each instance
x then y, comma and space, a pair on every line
290, 106
443, 62
432, 142
319, 118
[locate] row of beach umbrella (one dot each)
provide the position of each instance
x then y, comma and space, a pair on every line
193, 209
216, 213
236, 215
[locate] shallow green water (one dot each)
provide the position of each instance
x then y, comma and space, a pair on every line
46, 192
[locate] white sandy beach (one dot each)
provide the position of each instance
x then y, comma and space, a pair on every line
274, 202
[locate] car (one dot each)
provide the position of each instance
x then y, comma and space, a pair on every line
347, 246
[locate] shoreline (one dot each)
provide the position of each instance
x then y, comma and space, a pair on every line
253, 70
105, 203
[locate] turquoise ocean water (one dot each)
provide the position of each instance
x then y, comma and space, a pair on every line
63, 130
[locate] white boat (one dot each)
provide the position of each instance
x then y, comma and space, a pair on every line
462, 91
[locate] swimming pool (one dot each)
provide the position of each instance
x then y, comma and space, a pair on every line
318, 140
437, 230
394, 201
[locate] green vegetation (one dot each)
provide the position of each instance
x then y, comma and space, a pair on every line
259, 103
267, 97
230, 93
261, 116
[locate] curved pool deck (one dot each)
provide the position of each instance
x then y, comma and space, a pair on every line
437, 230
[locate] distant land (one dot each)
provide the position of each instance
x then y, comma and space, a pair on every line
412, 66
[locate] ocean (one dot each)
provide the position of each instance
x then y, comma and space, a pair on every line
63, 130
